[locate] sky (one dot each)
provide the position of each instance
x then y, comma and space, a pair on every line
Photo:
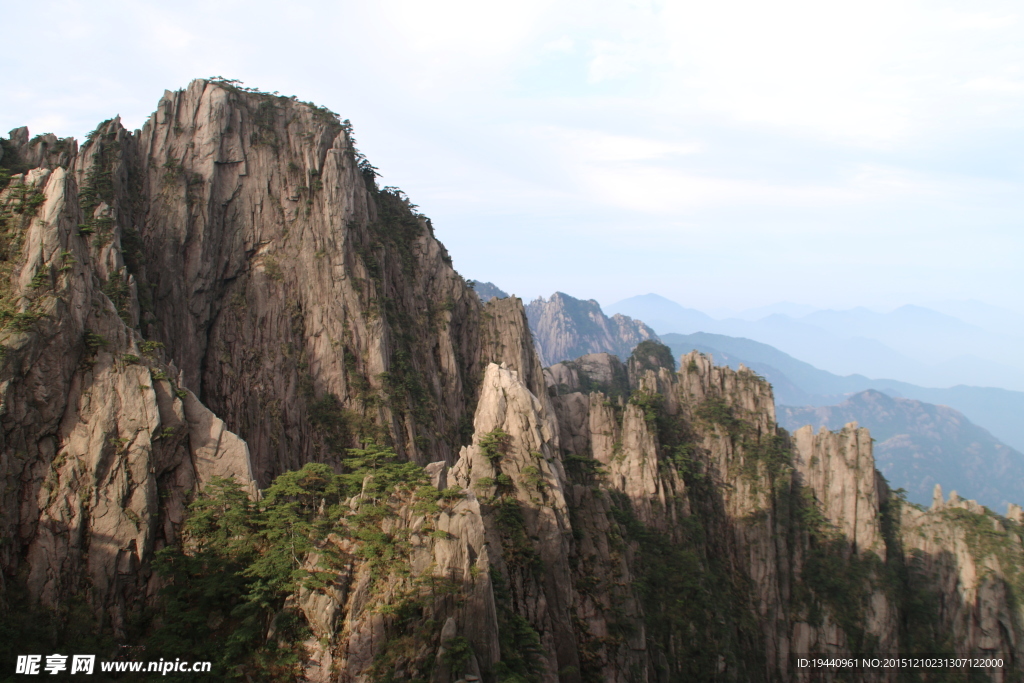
725, 154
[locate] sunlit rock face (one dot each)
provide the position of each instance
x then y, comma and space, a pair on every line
227, 293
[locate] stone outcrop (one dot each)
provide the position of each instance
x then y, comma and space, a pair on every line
840, 469
919, 445
228, 293
228, 272
488, 290
99, 447
972, 559
289, 290
565, 328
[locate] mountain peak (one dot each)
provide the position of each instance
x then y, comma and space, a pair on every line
565, 328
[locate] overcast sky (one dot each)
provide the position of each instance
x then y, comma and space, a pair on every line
723, 154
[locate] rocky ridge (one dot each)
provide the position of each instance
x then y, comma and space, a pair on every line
920, 445
227, 293
565, 328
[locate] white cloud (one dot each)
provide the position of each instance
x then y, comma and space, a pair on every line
996, 84
565, 44
720, 122
597, 146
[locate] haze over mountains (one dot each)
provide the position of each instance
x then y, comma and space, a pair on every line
915, 442
964, 343
798, 383
963, 437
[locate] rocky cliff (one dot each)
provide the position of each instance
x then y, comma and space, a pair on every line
565, 328
488, 290
250, 412
920, 445
236, 255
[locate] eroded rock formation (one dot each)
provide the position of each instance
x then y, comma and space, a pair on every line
565, 328
227, 293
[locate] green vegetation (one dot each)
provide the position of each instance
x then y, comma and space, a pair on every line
98, 188
651, 355
263, 120
20, 204
714, 410
10, 163
519, 642
30, 628
652, 405
321, 114
25, 200
389, 257
582, 468
495, 445
766, 459
149, 348
832, 575
118, 291
239, 560
696, 608
94, 342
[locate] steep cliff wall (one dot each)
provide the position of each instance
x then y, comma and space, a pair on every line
227, 293
300, 302
799, 538
919, 444
100, 445
234, 253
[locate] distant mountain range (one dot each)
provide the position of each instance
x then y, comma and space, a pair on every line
965, 438
798, 383
487, 290
919, 445
910, 344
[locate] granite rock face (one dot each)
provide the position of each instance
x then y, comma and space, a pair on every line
840, 469
100, 447
289, 291
227, 293
919, 445
223, 293
565, 328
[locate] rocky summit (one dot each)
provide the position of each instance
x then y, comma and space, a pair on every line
565, 328
251, 414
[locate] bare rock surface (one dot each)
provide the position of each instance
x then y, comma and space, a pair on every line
565, 328
228, 293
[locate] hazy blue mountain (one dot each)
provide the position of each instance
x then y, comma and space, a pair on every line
488, 290
992, 318
825, 349
919, 444
935, 338
911, 344
799, 383
661, 314
784, 308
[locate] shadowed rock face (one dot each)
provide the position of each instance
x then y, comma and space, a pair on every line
100, 444
227, 293
230, 254
288, 290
